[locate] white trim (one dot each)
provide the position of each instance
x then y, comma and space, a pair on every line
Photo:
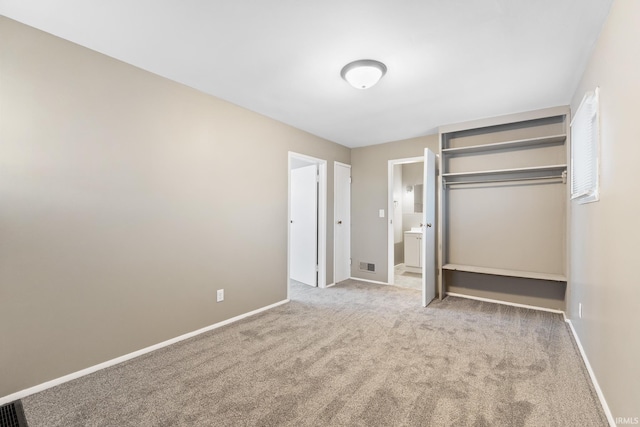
81, 373
368, 281
513, 304
407, 160
322, 216
390, 209
390, 226
322, 224
592, 375
331, 284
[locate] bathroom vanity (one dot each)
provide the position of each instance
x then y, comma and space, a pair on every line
413, 251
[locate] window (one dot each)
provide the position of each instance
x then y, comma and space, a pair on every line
584, 150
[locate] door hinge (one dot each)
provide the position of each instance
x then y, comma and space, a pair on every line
317, 268
350, 180
350, 261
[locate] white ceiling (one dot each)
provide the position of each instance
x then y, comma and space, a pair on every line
448, 60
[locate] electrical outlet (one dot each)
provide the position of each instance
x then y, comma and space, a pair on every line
220, 295
580, 310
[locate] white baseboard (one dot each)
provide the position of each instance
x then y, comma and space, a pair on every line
513, 304
368, 281
603, 401
40, 387
330, 285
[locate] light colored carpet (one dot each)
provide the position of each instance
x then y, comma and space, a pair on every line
352, 355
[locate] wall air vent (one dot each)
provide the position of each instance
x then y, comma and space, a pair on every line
12, 415
365, 266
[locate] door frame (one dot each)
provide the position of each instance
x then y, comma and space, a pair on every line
322, 216
390, 209
335, 229
430, 163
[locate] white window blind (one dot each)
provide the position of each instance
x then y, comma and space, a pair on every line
584, 150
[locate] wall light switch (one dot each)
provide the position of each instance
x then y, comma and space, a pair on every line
220, 295
381, 213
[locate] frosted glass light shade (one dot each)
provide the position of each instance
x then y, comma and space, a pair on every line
364, 73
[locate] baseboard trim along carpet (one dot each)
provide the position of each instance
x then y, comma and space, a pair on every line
512, 304
592, 375
356, 354
49, 384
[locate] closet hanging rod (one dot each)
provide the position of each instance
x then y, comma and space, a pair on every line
562, 177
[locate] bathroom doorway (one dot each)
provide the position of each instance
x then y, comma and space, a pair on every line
411, 226
406, 214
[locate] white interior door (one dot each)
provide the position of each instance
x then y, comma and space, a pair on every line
342, 222
304, 232
429, 228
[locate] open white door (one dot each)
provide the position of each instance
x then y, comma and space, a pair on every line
304, 232
342, 222
429, 228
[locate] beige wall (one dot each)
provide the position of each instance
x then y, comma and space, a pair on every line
127, 200
369, 190
605, 236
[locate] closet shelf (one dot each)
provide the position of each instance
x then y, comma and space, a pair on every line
529, 142
503, 272
551, 168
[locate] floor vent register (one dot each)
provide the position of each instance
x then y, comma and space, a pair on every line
12, 415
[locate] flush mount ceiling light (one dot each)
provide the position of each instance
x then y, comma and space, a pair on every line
364, 73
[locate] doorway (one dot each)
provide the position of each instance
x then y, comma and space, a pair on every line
406, 222
411, 225
307, 212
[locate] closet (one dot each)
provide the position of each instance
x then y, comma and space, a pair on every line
503, 206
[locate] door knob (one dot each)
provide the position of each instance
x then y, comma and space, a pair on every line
429, 224
339, 222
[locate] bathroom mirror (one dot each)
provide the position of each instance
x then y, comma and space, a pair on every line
417, 198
